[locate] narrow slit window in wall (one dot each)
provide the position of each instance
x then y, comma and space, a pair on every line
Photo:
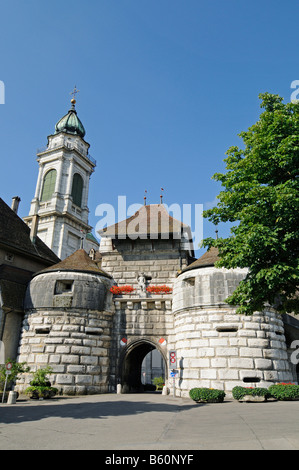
251, 379
190, 281
42, 331
227, 329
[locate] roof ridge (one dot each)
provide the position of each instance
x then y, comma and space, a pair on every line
78, 261
145, 211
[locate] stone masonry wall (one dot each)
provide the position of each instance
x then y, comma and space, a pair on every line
150, 319
75, 344
141, 315
158, 259
217, 348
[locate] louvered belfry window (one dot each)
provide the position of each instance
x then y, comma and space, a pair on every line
49, 185
77, 189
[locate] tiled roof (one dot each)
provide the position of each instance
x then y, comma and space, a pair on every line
207, 259
15, 235
151, 219
78, 261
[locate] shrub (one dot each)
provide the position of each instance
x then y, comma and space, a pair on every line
240, 392
40, 385
207, 395
285, 391
158, 382
41, 392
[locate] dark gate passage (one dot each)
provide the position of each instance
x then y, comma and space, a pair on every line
131, 377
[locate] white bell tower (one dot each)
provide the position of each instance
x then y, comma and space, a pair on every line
60, 203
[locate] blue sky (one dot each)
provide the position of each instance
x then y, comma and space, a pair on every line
165, 88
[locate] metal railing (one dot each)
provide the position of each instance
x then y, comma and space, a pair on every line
69, 146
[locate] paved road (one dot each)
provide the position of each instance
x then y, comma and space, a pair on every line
147, 421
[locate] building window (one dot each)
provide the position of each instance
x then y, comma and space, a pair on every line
77, 189
9, 257
49, 185
63, 287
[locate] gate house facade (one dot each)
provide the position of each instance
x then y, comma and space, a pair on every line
95, 340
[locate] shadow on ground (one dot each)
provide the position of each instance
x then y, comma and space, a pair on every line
19, 413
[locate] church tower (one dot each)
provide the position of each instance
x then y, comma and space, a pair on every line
59, 209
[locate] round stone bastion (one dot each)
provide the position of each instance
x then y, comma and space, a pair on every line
67, 326
217, 348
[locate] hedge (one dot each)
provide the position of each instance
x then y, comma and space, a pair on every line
240, 392
284, 391
207, 395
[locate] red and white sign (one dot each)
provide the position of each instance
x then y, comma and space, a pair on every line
172, 359
8, 366
123, 341
162, 341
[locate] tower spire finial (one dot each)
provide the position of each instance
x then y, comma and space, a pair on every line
73, 100
161, 196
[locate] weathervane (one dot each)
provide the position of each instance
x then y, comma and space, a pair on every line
161, 196
145, 197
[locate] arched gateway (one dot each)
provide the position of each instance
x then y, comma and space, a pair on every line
130, 364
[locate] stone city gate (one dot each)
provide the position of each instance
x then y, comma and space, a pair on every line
140, 326
143, 253
130, 362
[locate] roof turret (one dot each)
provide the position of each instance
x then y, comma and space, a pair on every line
79, 261
207, 259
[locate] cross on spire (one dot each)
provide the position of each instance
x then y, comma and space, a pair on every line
74, 92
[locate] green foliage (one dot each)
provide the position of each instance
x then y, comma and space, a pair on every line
40, 377
261, 198
207, 395
240, 392
158, 382
285, 391
41, 392
40, 384
282, 391
17, 369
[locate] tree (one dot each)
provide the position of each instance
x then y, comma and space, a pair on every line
17, 369
260, 197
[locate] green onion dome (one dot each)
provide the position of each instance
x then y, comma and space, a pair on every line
70, 123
